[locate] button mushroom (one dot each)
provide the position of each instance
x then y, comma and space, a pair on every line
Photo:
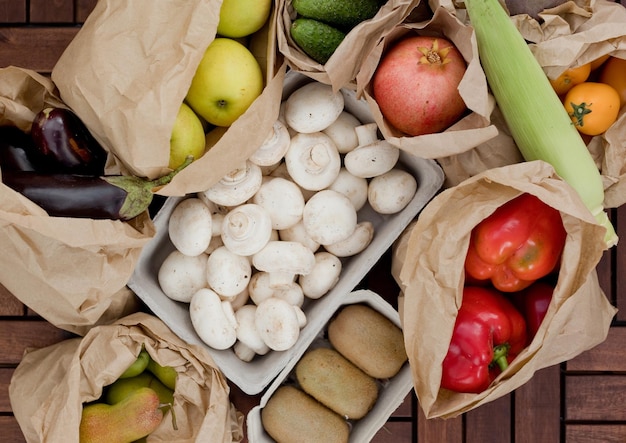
260, 288
373, 156
227, 273
190, 226
391, 192
298, 234
323, 277
249, 342
283, 201
313, 161
246, 229
274, 147
356, 243
237, 186
353, 187
329, 217
278, 323
313, 107
213, 319
180, 275
284, 260
342, 132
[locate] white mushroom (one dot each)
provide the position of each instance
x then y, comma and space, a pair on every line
313, 107
372, 157
284, 260
278, 323
274, 147
282, 172
216, 242
246, 229
228, 273
356, 243
237, 186
391, 192
313, 161
329, 217
353, 187
260, 288
213, 319
240, 299
298, 233
249, 342
323, 277
180, 275
342, 132
283, 201
190, 226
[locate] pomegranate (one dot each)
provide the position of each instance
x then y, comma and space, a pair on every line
416, 84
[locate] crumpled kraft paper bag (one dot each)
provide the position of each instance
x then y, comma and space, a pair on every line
127, 71
49, 386
431, 277
342, 67
471, 130
575, 33
70, 271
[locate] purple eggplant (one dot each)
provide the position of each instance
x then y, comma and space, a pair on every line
114, 197
64, 144
16, 149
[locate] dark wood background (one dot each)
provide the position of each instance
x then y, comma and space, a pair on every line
580, 401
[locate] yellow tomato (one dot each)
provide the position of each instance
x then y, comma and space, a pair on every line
593, 107
614, 74
570, 77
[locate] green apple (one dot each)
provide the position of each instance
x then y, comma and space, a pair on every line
187, 137
226, 82
239, 18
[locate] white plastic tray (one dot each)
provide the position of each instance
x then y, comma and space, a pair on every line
254, 376
391, 395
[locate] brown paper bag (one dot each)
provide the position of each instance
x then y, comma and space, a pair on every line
432, 279
342, 67
473, 129
50, 385
128, 70
72, 272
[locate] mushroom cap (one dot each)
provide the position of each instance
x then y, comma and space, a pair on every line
329, 217
353, 187
227, 273
278, 323
323, 277
213, 319
283, 201
372, 160
237, 186
246, 229
274, 147
246, 329
391, 192
180, 275
342, 132
312, 160
190, 226
284, 257
356, 243
313, 107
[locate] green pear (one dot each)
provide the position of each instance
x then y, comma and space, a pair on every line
138, 365
226, 82
187, 137
166, 374
124, 387
239, 18
133, 418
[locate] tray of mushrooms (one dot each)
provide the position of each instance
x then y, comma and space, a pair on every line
253, 267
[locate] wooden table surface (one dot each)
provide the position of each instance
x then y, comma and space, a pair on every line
580, 401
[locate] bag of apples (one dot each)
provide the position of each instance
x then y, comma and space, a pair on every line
156, 81
72, 271
122, 382
542, 311
425, 85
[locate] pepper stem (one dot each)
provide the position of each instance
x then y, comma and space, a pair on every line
500, 353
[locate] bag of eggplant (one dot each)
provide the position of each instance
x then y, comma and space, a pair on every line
70, 235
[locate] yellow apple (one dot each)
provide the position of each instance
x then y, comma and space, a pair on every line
227, 81
187, 137
239, 18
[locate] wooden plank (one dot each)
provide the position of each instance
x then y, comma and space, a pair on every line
83, 9
12, 11
605, 433
609, 355
394, 432
51, 11
5, 380
439, 430
595, 397
34, 48
11, 431
9, 305
537, 407
620, 264
19, 335
480, 423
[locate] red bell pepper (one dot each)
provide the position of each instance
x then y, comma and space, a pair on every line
519, 243
488, 333
533, 303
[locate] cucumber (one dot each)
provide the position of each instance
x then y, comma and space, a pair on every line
318, 40
344, 14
